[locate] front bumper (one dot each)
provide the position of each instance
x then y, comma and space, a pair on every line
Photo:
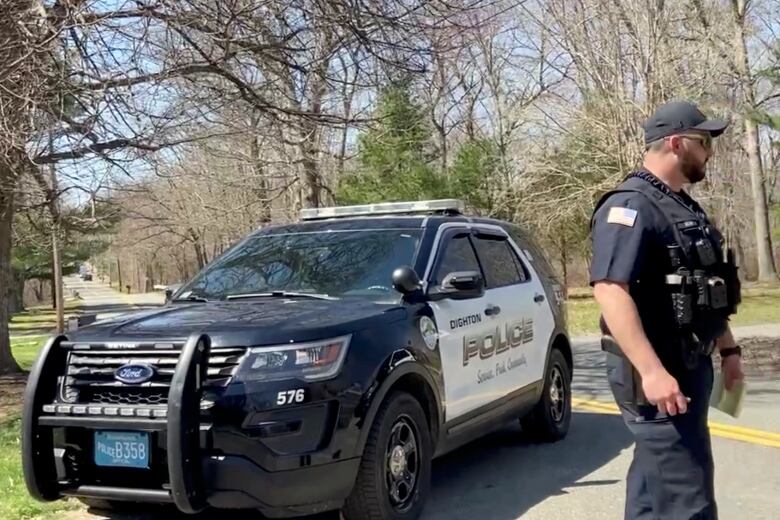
193, 464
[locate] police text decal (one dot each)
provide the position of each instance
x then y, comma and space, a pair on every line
496, 343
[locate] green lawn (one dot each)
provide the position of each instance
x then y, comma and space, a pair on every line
760, 304
41, 319
16, 503
25, 350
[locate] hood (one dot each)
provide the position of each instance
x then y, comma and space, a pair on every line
244, 323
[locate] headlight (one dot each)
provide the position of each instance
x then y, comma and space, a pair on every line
310, 361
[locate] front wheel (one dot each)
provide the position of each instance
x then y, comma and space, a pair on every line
550, 418
394, 476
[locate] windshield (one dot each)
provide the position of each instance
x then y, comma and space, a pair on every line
356, 263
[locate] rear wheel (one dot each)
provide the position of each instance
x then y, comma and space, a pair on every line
550, 418
394, 476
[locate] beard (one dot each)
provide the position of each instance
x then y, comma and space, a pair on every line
693, 171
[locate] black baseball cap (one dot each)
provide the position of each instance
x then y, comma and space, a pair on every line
676, 117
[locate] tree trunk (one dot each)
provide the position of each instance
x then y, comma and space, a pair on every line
39, 291
200, 254
7, 362
59, 301
119, 274
312, 131
16, 296
766, 262
564, 261
262, 189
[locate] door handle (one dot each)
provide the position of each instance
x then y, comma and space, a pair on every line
492, 310
538, 298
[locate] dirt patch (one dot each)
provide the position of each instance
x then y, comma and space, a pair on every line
11, 392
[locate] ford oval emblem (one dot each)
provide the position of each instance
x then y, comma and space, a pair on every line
134, 374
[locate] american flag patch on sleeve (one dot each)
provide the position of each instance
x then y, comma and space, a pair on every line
622, 216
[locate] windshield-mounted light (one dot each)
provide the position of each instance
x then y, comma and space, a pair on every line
312, 361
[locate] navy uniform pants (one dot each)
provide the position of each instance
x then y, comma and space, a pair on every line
671, 476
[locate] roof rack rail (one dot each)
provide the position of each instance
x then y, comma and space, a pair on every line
428, 207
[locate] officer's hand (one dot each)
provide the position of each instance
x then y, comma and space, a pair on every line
731, 366
662, 390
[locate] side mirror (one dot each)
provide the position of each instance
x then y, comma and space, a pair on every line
460, 285
405, 280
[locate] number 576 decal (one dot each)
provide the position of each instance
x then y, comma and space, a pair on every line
290, 397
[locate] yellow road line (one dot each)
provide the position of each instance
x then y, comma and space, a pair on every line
726, 431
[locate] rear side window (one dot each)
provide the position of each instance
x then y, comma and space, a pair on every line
500, 263
531, 248
458, 255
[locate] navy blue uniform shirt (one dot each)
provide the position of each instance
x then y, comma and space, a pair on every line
629, 242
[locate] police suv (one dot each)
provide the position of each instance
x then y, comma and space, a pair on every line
314, 366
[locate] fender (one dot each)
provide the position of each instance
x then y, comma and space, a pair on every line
399, 364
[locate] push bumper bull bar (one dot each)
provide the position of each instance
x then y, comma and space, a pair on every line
182, 427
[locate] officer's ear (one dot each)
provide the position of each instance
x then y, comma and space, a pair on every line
675, 143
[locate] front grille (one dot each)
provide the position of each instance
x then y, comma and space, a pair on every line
132, 396
89, 377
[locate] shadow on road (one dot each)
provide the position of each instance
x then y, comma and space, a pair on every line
503, 476
499, 477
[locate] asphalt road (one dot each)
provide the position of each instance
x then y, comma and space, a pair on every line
105, 301
504, 477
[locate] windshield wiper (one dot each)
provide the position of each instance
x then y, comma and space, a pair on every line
280, 294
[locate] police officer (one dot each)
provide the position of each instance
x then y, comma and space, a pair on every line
666, 285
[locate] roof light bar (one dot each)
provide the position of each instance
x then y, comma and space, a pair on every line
385, 208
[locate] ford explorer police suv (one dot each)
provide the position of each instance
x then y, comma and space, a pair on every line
314, 366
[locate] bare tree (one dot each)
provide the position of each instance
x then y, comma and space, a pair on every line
732, 46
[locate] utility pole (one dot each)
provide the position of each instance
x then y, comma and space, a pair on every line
55, 249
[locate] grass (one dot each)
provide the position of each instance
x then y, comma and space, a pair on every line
41, 319
760, 304
16, 503
25, 350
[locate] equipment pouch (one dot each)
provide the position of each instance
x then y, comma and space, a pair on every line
705, 252
718, 293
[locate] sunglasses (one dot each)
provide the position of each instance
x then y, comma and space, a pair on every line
705, 140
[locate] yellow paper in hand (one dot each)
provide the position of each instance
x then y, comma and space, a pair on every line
727, 401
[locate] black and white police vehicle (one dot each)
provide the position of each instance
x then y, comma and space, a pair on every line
314, 366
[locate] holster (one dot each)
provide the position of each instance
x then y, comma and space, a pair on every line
608, 344
733, 285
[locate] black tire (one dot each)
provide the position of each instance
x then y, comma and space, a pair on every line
371, 499
549, 420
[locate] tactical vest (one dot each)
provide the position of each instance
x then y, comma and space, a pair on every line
701, 279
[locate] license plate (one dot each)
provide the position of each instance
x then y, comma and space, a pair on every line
122, 449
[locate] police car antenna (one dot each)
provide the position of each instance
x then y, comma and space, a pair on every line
448, 207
